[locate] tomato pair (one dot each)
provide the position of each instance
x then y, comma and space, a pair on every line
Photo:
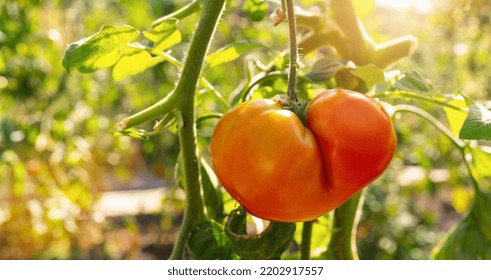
280, 170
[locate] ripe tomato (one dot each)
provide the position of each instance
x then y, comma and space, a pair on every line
280, 170
356, 139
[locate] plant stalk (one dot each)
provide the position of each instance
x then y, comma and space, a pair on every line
342, 245
294, 64
345, 17
306, 240
185, 89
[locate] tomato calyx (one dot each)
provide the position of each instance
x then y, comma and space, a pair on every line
299, 108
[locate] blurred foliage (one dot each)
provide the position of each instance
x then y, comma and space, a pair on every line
58, 154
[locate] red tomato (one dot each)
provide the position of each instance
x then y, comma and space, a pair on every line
356, 139
279, 170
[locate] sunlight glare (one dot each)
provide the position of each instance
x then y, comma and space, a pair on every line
419, 6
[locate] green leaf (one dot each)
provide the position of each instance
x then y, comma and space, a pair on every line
231, 52
456, 118
134, 64
207, 241
464, 242
270, 244
101, 50
211, 191
323, 69
346, 78
256, 10
481, 159
470, 239
164, 35
371, 74
133, 133
413, 82
477, 125
482, 214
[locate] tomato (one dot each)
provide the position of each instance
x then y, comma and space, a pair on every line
356, 139
268, 161
280, 170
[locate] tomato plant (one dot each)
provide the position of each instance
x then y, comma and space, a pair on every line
302, 167
280, 170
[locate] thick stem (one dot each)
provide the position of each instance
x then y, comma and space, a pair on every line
389, 52
306, 240
342, 245
345, 17
294, 64
186, 89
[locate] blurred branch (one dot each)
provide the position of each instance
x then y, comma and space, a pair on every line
182, 13
434, 121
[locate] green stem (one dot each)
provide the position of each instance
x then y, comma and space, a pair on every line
168, 103
259, 78
218, 96
435, 122
461, 145
342, 245
203, 82
186, 89
182, 13
475, 184
404, 94
294, 64
164, 106
306, 240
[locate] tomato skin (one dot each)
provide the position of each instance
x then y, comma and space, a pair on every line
268, 161
280, 170
356, 139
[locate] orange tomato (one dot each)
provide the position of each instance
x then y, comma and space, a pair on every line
280, 170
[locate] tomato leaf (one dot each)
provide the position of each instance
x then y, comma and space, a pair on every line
456, 118
323, 69
463, 243
413, 82
256, 10
207, 241
481, 159
482, 214
371, 74
131, 65
232, 52
477, 125
164, 35
470, 238
101, 50
211, 191
133, 133
270, 244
